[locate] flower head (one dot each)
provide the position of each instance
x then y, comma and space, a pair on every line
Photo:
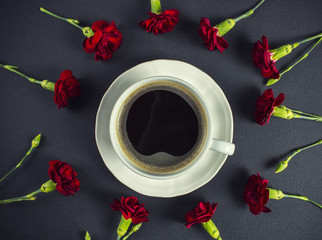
35, 142
162, 22
66, 87
64, 176
211, 36
105, 41
256, 194
265, 105
200, 214
262, 58
131, 209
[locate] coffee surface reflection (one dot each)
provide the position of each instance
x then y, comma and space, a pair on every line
162, 121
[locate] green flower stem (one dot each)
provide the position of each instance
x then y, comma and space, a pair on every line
311, 38
28, 197
135, 228
273, 81
275, 194
13, 69
156, 6
18, 165
283, 165
316, 118
303, 113
44, 83
302, 58
286, 113
35, 142
74, 22
249, 13
278, 194
302, 198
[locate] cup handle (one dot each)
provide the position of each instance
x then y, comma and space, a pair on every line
222, 146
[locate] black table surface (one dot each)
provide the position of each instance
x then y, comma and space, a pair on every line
43, 47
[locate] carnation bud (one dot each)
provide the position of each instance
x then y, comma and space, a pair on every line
35, 142
48, 186
48, 85
225, 26
283, 112
271, 81
136, 227
87, 236
281, 166
87, 31
275, 194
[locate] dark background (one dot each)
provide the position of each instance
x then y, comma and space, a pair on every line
43, 47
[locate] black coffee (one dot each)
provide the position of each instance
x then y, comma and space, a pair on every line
161, 127
162, 121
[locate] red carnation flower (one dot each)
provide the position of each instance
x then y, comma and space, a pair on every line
211, 36
262, 58
201, 213
102, 38
265, 105
256, 194
162, 22
64, 176
106, 40
131, 208
66, 87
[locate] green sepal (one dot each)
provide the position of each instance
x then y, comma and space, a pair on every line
123, 226
48, 85
48, 186
88, 32
156, 6
282, 51
211, 229
225, 26
275, 194
283, 112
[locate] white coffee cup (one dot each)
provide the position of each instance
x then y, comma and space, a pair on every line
136, 162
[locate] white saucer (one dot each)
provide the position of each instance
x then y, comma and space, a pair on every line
205, 169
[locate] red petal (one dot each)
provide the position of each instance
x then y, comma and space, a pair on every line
66, 74
279, 100
222, 44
